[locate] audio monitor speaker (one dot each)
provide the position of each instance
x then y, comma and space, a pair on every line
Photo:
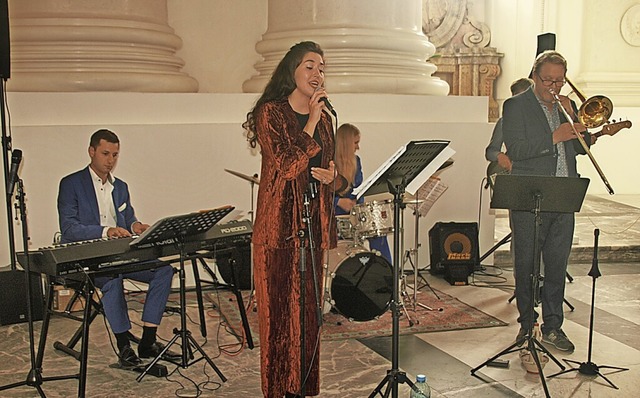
5, 64
235, 261
454, 250
13, 297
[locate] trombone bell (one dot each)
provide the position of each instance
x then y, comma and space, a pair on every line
595, 111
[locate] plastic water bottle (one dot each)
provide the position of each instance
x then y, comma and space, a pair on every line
420, 389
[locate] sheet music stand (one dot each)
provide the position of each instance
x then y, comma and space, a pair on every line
178, 230
536, 194
407, 169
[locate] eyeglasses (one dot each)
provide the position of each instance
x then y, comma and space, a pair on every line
549, 83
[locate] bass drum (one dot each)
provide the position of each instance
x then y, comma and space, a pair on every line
360, 285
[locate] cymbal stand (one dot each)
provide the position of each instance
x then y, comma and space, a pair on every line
252, 300
415, 265
404, 295
253, 180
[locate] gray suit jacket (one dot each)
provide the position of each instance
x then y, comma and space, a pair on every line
529, 139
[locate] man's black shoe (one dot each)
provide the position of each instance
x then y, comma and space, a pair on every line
155, 349
127, 358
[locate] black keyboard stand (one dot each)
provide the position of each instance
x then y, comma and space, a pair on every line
215, 282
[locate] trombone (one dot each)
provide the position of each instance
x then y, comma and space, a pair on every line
594, 112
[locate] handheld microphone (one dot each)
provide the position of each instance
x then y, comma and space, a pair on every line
16, 158
329, 106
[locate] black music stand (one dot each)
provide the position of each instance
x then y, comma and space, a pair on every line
536, 194
178, 230
407, 169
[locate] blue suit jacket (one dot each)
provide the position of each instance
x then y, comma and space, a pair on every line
78, 211
529, 139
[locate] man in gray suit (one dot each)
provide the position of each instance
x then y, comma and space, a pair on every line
540, 141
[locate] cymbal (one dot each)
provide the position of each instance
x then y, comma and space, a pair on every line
253, 178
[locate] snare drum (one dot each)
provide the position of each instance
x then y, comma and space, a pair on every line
360, 285
373, 218
345, 228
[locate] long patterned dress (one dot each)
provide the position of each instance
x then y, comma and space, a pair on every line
286, 151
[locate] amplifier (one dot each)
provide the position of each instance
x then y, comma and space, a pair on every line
13, 297
453, 243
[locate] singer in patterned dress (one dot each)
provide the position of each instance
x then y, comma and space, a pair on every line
291, 123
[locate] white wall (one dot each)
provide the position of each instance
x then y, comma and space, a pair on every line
175, 147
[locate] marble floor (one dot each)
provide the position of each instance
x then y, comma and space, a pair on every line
353, 368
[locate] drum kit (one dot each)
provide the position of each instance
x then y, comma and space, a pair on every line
358, 281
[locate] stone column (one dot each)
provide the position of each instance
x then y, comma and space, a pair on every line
371, 46
94, 45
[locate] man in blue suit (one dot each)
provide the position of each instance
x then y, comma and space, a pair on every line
93, 204
540, 141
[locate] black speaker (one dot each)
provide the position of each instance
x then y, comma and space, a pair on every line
453, 245
13, 297
5, 62
235, 261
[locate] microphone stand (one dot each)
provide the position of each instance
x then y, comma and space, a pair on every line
589, 368
34, 378
307, 218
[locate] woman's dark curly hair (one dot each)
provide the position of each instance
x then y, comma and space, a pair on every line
282, 83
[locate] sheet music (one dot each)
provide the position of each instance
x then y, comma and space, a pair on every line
430, 192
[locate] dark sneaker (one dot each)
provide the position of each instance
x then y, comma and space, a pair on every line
558, 339
521, 337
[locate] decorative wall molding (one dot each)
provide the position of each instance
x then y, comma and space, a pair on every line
463, 57
630, 26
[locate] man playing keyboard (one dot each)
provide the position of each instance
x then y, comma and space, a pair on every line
94, 204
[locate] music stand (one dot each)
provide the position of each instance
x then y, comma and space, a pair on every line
178, 230
406, 170
536, 194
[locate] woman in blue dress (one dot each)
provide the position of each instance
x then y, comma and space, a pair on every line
349, 165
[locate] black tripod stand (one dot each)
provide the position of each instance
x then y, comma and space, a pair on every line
34, 378
179, 229
536, 194
589, 368
407, 170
